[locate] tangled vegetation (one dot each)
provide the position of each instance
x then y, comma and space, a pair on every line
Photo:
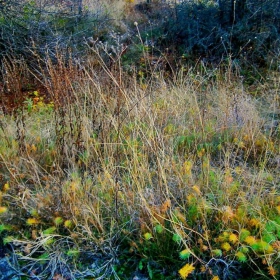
121, 159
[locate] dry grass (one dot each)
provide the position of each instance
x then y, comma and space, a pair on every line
115, 169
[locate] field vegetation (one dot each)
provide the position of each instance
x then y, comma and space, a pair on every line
140, 140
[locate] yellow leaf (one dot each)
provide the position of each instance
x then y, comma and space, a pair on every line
186, 270
6, 187
227, 214
180, 216
229, 179
187, 167
276, 245
68, 224
32, 221
148, 236
223, 237
254, 222
74, 186
33, 148
216, 278
203, 269
201, 153
143, 86
191, 198
197, 190
204, 248
238, 170
165, 205
3, 209
34, 234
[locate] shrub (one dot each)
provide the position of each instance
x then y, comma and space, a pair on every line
31, 31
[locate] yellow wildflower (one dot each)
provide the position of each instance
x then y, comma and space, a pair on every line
233, 238
186, 270
250, 240
226, 246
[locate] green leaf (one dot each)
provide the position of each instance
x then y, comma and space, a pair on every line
176, 238
159, 228
73, 253
270, 226
217, 252
241, 257
243, 234
49, 230
140, 265
58, 221
150, 271
185, 254
8, 239
277, 221
244, 249
269, 237
34, 213
4, 227
262, 247
44, 256
48, 241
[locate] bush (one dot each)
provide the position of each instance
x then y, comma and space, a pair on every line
31, 31
247, 30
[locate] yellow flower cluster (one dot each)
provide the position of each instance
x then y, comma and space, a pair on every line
186, 270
